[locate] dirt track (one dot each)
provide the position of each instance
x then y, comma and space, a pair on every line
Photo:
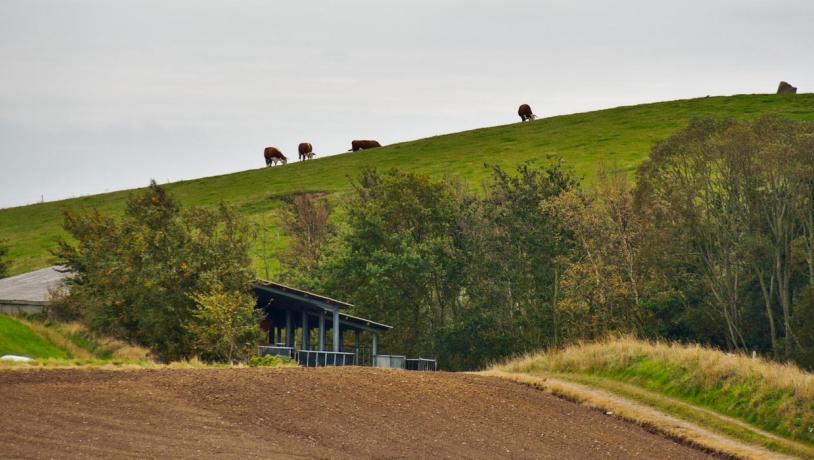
284, 413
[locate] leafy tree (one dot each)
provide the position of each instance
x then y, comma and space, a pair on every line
735, 197
605, 282
135, 278
306, 220
466, 278
511, 250
395, 258
225, 325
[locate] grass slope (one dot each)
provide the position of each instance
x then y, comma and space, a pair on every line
17, 338
620, 137
772, 397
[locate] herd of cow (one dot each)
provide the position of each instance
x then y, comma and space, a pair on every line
273, 155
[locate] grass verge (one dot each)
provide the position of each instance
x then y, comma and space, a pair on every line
71, 345
750, 399
680, 430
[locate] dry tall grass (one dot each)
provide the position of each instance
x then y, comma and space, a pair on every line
776, 397
80, 344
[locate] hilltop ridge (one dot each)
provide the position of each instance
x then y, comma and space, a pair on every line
620, 137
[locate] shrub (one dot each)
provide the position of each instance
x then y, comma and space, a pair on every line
225, 325
271, 361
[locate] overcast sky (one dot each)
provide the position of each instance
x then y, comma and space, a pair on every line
103, 95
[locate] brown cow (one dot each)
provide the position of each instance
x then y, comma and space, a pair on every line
786, 88
306, 151
363, 145
525, 113
273, 156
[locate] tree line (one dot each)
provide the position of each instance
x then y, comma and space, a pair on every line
714, 243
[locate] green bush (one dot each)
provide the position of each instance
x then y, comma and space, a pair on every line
271, 361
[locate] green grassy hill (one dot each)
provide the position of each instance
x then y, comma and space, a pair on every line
620, 137
17, 338
63, 344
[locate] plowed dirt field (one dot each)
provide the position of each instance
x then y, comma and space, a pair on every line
312, 413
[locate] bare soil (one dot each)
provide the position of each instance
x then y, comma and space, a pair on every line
313, 413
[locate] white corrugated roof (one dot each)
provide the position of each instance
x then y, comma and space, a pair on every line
32, 285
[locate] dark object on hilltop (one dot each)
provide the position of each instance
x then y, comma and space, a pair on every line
525, 113
363, 145
306, 151
786, 88
274, 155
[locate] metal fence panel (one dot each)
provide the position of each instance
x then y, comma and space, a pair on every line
276, 351
421, 364
316, 358
389, 361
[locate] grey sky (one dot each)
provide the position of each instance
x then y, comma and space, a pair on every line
104, 95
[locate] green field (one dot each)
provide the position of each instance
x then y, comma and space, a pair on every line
620, 138
17, 338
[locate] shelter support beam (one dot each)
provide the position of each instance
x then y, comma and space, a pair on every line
375, 349
336, 330
306, 332
289, 329
322, 330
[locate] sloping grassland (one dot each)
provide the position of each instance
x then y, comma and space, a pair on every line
620, 138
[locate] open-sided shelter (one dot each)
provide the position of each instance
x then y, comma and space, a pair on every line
312, 328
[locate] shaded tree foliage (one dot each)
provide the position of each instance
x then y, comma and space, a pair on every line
730, 206
509, 267
137, 277
306, 219
396, 257
463, 277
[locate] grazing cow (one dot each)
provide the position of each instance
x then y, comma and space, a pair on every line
274, 156
306, 151
363, 145
786, 88
525, 113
